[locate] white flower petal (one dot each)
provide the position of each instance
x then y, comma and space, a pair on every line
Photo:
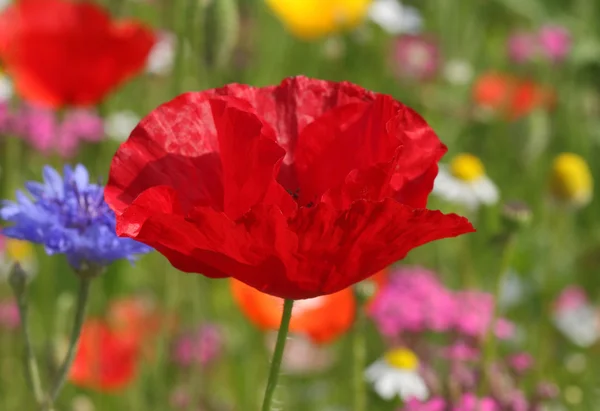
394, 17
118, 126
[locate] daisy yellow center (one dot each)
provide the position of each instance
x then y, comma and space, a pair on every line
467, 167
402, 358
571, 179
18, 250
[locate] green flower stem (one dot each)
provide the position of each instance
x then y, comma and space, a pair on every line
278, 354
489, 353
32, 374
80, 308
359, 357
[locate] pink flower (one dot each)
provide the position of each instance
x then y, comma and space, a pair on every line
474, 314
461, 351
555, 42
522, 47
416, 57
551, 42
469, 402
434, 404
520, 362
571, 297
413, 300
9, 315
199, 347
46, 133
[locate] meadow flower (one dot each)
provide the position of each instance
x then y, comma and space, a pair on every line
571, 181
68, 216
555, 42
45, 132
433, 404
162, 55
464, 182
106, 360
397, 375
550, 42
394, 17
321, 319
119, 125
470, 402
12, 251
458, 72
521, 47
198, 347
61, 52
474, 312
297, 190
6, 87
413, 300
509, 96
310, 19
576, 318
415, 57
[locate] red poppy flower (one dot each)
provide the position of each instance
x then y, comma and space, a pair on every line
106, 359
61, 52
511, 96
297, 190
322, 319
139, 321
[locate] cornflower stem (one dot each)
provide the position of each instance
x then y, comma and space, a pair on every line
284, 327
32, 374
63, 372
489, 354
359, 357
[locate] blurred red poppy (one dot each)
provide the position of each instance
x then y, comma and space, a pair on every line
62, 52
138, 320
511, 96
106, 359
297, 190
322, 319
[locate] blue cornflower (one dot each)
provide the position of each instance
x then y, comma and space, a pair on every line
68, 216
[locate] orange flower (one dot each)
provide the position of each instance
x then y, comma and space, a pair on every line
513, 97
106, 359
322, 319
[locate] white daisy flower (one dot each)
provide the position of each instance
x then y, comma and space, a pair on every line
6, 86
464, 182
118, 126
397, 374
458, 72
580, 324
394, 17
162, 56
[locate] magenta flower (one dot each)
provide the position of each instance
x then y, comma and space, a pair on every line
413, 300
415, 57
461, 351
555, 42
550, 43
520, 362
522, 47
42, 128
434, 404
199, 347
470, 402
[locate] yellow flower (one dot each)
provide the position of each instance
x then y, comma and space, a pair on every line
571, 180
467, 167
309, 19
402, 358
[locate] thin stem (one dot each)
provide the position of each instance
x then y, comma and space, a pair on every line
490, 339
359, 357
32, 374
80, 308
286, 316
